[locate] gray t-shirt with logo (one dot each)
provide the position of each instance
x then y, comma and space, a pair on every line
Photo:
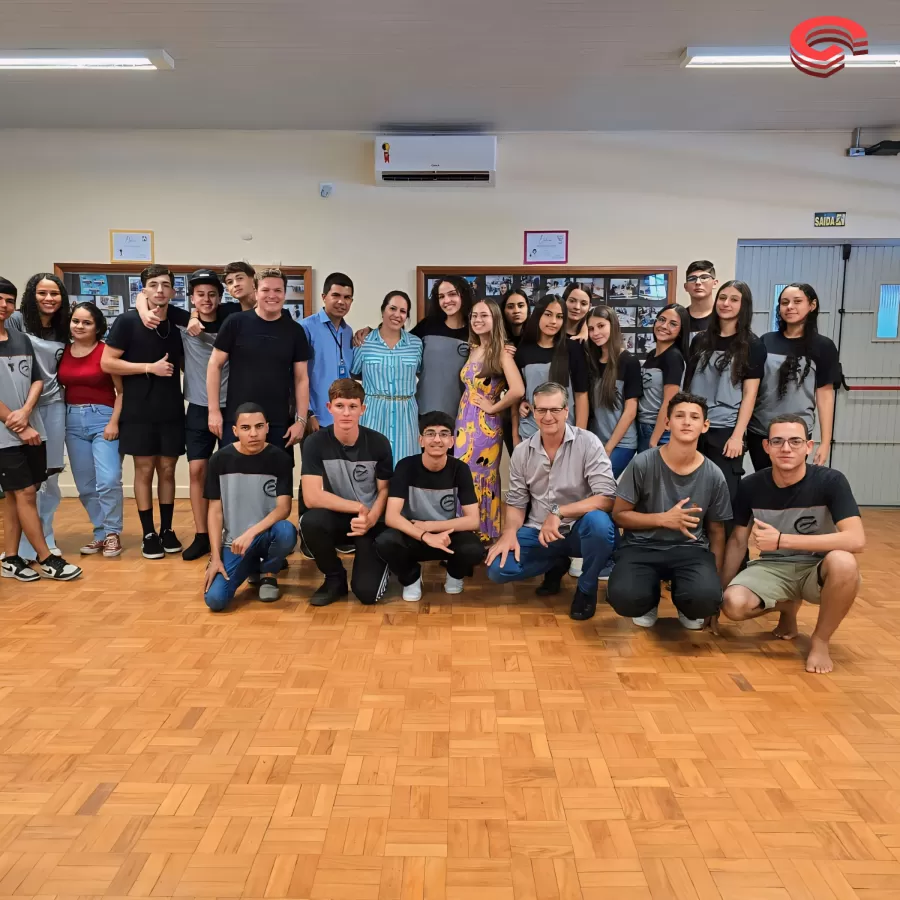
18, 371
247, 485
652, 487
48, 352
432, 496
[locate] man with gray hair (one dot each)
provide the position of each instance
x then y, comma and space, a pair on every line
561, 493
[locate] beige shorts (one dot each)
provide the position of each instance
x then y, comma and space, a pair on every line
774, 582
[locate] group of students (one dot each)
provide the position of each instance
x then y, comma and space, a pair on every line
473, 366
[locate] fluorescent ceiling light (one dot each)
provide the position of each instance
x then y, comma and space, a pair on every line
141, 60
778, 58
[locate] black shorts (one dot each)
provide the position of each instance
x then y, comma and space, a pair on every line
201, 442
151, 439
23, 466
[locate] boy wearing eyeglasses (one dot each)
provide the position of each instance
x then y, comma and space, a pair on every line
805, 522
426, 495
701, 283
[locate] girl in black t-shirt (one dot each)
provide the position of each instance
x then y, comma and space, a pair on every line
801, 374
577, 302
546, 354
615, 380
662, 374
515, 313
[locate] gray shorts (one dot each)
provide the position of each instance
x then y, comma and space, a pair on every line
774, 582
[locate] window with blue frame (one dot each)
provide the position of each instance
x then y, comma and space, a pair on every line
887, 322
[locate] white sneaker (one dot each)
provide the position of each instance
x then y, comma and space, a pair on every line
690, 624
649, 620
575, 567
413, 592
453, 585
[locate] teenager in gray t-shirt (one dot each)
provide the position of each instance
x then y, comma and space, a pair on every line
672, 503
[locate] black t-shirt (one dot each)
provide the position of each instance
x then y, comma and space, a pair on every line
261, 357
350, 472
528, 355
670, 363
432, 496
149, 399
700, 323
814, 505
629, 374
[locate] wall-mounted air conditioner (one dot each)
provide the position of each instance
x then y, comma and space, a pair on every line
456, 159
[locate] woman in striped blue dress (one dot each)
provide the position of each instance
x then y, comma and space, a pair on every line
388, 362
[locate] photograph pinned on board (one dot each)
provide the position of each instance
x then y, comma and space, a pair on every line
295, 291
596, 287
654, 287
180, 299
497, 285
626, 316
557, 285
645, 342
525, 286
622, 289
646, 316
93, 284
134, 288
629, 341
295, 311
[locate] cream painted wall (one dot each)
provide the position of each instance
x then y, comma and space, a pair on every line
627, 199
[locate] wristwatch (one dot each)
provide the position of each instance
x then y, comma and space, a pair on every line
554, 510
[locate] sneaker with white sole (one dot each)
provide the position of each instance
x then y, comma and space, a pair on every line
16, 567
57, 569
690, 624
268, 589
112, 546
413, 592
648, 620
453, 585
576, 566
95, 546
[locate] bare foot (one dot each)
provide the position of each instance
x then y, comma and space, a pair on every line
786, 629
819, 659
712, 623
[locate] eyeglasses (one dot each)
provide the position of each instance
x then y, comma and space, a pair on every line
794, 443
430, 435
542, 411
693, 279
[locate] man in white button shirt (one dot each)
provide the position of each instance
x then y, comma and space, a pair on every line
562, 479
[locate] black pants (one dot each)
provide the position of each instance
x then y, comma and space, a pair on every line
403, 554
633, 588
323, 530
758, 456
712, 446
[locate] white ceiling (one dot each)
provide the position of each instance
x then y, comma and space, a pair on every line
505, 65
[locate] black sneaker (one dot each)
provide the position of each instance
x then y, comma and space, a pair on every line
151, 546
16, 567
552, 583
199, 547
268, 589
347, 549
57, 569
583, 606
334, 587
305, 552
170, 542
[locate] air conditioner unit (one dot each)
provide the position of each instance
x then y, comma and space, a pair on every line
458, 159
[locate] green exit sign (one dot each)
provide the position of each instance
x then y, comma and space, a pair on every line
829, 219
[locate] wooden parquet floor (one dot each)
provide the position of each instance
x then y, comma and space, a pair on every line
466, 748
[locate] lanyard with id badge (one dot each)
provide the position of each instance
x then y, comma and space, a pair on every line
339, 342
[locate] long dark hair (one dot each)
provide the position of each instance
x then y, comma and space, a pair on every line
31, 314
615, 346
559, 362
790, 369
96, 315
683, 341
514, 292
738, 353
575, 286
466, 298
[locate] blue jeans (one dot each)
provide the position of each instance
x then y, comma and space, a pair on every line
96, 467
48, 498
266, 554
620, 457
645, 432
592, 539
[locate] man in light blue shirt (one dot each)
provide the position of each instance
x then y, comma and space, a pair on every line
331, 345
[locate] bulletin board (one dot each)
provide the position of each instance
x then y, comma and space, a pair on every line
114, 286
637, 293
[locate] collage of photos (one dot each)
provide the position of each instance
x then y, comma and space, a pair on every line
636, 299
